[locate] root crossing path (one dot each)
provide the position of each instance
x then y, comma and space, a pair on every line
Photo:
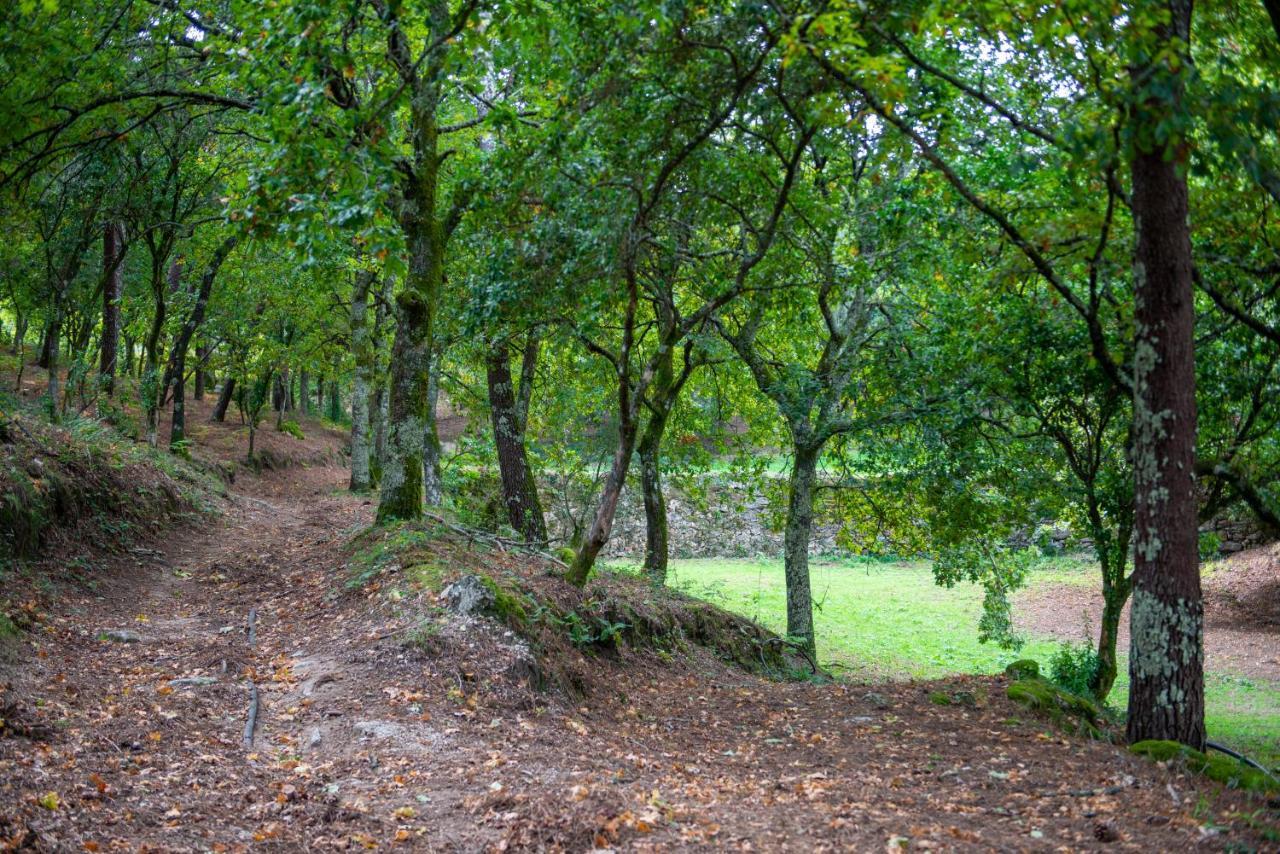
138, 693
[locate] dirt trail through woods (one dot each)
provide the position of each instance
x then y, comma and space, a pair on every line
363, 743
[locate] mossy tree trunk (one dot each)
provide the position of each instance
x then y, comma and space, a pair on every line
1166, 660
362, 348
663, 393
796, 537
410, 422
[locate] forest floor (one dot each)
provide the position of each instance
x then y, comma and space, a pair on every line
364, 742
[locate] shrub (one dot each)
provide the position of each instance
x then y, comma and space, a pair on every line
1073, 668
292, 428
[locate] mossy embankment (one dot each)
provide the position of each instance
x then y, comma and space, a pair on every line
616, 617
82, 486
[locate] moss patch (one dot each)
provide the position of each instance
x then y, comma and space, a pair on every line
1023, 668
1066, 710
1216, 766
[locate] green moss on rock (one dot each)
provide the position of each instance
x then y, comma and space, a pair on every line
1062, 707
507, 606
1023, 668
1217, 767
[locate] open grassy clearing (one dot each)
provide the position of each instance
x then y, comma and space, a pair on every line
888, 620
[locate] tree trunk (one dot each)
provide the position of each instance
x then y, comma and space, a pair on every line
154, 389
304, 392
1166, 666
432, 483
47, 346
278, 393
112, 290
799, 528
362, 349
335, 401
519, 488
607, 507
411, 424
176, 371
51, 343
202, 358
402, 486
224, 399
378, 427
1104, 678
656, 545
19, 332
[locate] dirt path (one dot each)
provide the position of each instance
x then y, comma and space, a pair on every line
364, 743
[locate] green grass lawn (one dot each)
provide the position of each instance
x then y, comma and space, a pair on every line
890, 621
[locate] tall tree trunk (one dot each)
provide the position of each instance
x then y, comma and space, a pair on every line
52, 345
432, 483
362, 349
128, 354
607, 506
224, 399
334, 401
519, 488
176, 371
304, 391
656, 540
1166, 658
410, 421
202, 360
154, 388
21, 320
113, 287
799, 529
378, 427
1104, 678
47, 347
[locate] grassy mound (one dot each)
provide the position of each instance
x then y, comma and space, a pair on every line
82, 482
617, 615
1216, 766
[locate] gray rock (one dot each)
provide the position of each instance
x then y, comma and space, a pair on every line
121, 636
877, 700
468, 595
192, 681
314, 741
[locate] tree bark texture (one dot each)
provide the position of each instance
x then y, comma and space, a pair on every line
519, 488
1166, 658
112, 290
796, 536
362, 349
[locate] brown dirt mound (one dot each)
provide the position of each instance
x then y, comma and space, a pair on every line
1243, 591
1242, 613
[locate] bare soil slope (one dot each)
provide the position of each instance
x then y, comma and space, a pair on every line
364, 741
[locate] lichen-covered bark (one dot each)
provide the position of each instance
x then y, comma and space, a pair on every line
796, 535
362, 349
1166, 670
402, 488
410, 416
